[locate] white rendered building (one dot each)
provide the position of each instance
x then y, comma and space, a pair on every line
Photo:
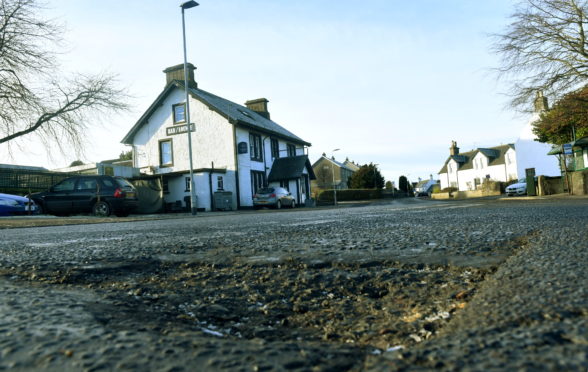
235, 148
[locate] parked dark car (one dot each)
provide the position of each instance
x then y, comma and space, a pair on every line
14, 205
100, 195
276, 197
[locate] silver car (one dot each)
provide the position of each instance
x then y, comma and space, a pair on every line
277, 197
519, 188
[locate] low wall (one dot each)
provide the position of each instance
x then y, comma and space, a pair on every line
464, 194
579, 182
549, 185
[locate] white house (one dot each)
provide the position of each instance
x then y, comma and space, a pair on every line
467, 170
235, 148
501, 163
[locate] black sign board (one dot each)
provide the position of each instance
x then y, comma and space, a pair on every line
242, 148
179, 129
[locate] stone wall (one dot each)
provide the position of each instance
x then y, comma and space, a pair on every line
549, 185
579, 182
464, 194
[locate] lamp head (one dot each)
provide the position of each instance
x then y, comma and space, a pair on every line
189, 4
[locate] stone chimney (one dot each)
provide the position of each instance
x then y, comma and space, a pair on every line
453, 150
177, 73
260, 106
540, 102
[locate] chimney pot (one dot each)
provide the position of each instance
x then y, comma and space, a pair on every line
453, 150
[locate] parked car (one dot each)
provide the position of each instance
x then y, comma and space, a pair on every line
276, 197
519, 188
100, 195
14, 205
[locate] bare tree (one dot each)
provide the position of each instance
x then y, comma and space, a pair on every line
33, 99
544, 49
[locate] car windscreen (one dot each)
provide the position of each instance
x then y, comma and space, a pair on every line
265, 190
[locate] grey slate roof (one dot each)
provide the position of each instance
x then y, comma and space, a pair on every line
235, 114
421, 183
338, 164
495, 155
290, 168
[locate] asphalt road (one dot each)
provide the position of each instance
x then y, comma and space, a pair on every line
399, 285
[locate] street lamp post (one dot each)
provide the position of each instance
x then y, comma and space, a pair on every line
375, 167
193, 203
333, 173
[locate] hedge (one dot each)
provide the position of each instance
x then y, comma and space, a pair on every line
349, 194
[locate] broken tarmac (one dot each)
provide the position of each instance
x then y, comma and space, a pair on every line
410, 285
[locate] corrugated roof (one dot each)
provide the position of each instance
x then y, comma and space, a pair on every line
558, 149
290, 168
22, 167
235, 114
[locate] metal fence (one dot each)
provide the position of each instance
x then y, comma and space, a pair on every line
23, 181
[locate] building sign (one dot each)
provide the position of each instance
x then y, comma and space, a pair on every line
242, 148
179, 129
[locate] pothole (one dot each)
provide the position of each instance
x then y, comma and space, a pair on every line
375, 306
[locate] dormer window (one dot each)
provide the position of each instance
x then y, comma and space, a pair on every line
179, 112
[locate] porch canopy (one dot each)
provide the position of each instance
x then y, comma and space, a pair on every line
558, 149
290, 168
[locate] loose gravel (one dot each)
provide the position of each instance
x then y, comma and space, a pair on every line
402, 285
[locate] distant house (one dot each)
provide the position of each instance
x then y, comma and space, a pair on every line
467, 170
425, 187
235, 149
333, 174
503, 163
351, 165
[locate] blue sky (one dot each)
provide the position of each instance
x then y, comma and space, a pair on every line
390, 82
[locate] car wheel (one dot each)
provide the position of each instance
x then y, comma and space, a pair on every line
101, 209
278, 204
40, 209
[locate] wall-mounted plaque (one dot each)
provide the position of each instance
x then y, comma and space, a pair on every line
242, 148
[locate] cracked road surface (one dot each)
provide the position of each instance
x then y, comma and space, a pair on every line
397, 285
